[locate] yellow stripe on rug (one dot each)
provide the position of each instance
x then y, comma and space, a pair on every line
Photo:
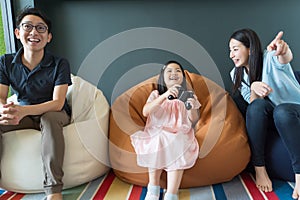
118, 189
184, 194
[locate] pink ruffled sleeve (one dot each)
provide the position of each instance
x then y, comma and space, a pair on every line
153, 95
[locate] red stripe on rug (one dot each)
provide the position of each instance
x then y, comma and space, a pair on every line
254, 191
102, 190
270, 195
18, 196
6, 195
135, 192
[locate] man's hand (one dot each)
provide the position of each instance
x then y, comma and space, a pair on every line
9, 114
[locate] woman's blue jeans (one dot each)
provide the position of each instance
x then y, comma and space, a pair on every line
262, 118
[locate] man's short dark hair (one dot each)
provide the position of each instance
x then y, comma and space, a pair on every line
33, 11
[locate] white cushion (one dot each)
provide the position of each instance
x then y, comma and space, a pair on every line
86, 144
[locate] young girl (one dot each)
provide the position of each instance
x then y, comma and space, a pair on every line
266, 81
167, 142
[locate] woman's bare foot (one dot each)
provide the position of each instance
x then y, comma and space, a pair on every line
296, 193
263, 181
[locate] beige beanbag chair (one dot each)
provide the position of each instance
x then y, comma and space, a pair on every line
224, 150
86, 144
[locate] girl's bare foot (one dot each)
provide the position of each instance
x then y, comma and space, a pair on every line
296, 193
263, 181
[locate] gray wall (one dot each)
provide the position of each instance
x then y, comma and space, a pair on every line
91, 35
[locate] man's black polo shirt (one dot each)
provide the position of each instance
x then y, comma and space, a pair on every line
36, 86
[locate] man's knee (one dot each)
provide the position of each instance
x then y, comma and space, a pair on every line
53, 117
49, 116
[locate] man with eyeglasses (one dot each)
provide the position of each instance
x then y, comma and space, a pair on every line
40, 80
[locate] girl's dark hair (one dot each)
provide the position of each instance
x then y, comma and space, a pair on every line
250, 40
161, 85
33, 11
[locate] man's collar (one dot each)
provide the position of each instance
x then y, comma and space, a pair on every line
46, 61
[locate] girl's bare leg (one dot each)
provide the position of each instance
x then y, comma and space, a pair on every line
154, 176
174, 180
153, 185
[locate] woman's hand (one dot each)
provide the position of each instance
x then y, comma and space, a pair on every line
282, 49
261, 89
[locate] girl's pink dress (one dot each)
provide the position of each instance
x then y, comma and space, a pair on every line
168, 141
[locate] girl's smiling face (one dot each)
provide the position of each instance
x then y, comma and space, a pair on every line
239, 53
173, 75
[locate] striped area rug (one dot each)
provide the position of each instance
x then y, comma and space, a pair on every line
109, 187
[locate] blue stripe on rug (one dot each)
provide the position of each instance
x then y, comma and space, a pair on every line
37, 196
73, 193
161, 193
143, 193
91, 188
204, 192
219, 192
234, 190
282, 189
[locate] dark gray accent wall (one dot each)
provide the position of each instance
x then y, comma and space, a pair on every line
80, 27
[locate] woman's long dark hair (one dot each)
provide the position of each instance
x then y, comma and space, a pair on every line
161, 85
250, 40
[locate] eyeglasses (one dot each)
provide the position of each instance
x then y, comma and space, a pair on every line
39, 28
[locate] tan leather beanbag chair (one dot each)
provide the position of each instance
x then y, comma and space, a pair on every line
224, 150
